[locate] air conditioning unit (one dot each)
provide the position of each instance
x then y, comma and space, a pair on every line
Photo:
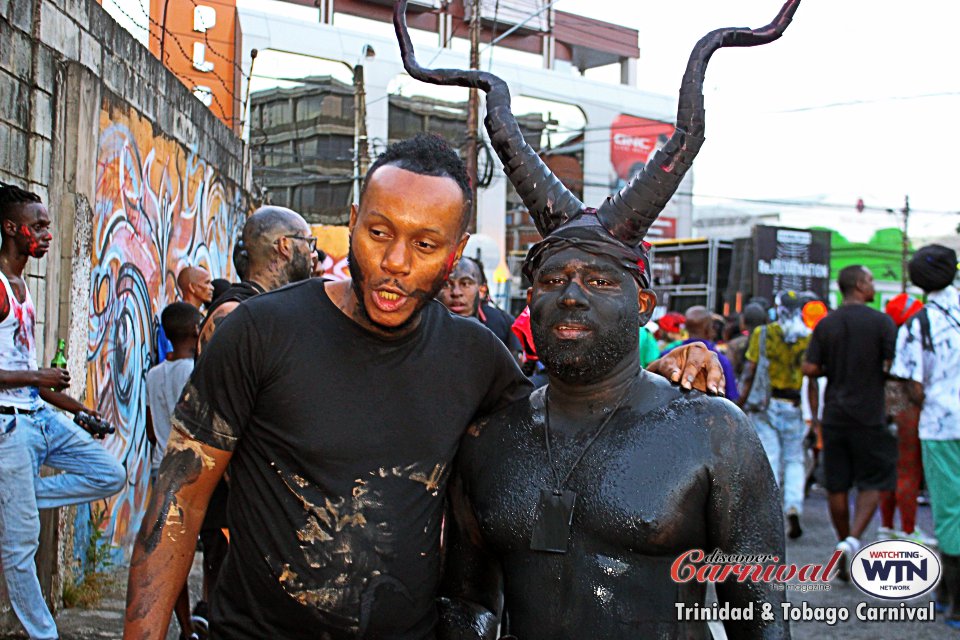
532, 14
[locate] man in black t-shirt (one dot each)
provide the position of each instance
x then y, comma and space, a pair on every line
337, 482
269, 264
853, 347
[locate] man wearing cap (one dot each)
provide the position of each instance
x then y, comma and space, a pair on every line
928, 356
671, 327
776, 414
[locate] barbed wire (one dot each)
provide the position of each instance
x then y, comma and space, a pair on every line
185, 80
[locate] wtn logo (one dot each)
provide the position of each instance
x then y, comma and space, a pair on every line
895, 569
903, 569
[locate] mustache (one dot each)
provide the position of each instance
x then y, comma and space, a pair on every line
416, 294
569, 318
393, 282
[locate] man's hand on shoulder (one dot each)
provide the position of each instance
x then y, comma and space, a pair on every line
692, 366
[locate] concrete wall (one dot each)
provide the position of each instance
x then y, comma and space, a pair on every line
95, 125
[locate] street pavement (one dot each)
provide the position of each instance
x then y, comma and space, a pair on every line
814, 547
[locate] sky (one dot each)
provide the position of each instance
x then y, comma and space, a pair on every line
857, 100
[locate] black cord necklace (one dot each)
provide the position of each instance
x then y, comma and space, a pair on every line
551, 531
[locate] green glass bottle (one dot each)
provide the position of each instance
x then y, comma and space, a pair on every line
60, 357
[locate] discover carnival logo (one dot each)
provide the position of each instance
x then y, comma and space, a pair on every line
895, 569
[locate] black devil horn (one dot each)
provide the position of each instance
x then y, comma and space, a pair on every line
630, 213
549, 201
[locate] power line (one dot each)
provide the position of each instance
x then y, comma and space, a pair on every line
849, 103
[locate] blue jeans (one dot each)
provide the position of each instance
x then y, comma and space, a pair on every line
781, 430
46, 437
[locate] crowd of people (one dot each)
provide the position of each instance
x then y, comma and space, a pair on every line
888, 422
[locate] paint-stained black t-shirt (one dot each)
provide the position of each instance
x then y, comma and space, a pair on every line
342, 443
851, 344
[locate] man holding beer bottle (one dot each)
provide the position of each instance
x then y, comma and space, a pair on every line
32, 433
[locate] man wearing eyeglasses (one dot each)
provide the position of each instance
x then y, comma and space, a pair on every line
279, 249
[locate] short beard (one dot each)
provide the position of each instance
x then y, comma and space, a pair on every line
422, 297
586, 361
299, 268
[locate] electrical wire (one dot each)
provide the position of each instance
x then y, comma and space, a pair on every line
493, 34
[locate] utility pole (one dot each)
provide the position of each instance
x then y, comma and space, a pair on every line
360, 100
473, 113
905, 256
361, 155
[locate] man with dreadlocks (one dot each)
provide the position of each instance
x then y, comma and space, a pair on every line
572, 506
31, 433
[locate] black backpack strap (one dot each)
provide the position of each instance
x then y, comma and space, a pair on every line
926, 337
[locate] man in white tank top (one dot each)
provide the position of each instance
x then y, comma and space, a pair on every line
32, 433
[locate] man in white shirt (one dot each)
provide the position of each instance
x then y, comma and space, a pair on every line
181, 322
928, 355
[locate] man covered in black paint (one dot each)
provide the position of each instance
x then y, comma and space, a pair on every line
571, 505
576, 501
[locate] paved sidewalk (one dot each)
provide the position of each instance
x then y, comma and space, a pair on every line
106, 620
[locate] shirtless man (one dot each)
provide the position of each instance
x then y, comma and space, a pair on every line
647, 471
573, 503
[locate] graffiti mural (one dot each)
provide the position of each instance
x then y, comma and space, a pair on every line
159, 208
335, 242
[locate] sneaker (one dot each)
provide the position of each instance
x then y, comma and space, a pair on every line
793, 524
886, 533
918, 536
849, 546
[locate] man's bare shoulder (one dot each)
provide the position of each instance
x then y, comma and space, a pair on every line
515, 414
